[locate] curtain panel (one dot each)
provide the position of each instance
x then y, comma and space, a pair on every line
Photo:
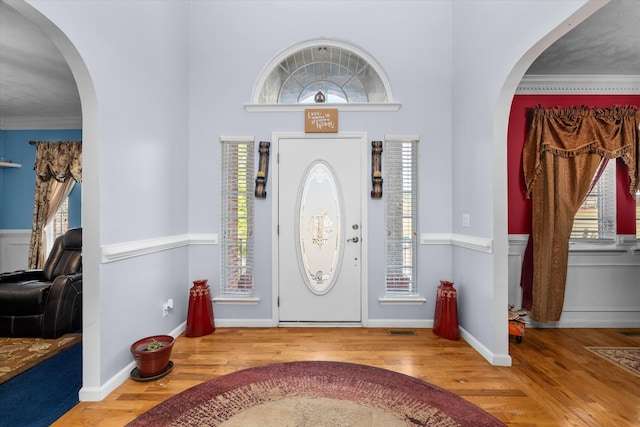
58, 166
564, 150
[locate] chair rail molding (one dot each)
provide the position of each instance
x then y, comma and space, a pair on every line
121, 251
480, 244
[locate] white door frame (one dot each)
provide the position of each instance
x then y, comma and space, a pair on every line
275, 203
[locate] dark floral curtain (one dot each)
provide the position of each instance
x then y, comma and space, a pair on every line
58, 166
565, 149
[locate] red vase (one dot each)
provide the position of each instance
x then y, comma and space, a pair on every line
200, 316
445, 320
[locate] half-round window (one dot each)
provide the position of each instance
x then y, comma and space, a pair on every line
321, 72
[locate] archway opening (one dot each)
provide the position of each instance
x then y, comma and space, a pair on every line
90, 193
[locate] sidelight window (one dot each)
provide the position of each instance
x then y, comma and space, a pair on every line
400, 190
237, 169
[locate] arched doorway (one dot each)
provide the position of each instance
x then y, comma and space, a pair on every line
501, 126
90, 192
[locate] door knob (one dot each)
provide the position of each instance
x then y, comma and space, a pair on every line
354, 239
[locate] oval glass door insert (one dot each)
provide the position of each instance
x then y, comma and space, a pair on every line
319, 228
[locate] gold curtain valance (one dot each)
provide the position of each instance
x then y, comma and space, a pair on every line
569, 132
58, 160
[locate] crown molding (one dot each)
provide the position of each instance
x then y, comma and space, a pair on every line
35, 123
579, 84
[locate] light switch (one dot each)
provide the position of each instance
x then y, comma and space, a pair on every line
466, 220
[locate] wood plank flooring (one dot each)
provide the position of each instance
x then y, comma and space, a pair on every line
554, 380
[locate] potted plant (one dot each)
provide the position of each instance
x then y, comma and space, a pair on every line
152, 355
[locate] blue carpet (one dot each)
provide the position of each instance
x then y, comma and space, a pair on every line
41, 395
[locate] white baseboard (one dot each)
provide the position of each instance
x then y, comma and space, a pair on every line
96, 394
495, 359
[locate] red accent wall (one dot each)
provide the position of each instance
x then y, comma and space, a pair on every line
519, 120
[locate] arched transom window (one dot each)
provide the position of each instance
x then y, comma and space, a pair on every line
323, 72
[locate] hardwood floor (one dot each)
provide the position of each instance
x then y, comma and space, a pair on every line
554, 380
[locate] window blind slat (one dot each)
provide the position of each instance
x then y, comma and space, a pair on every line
596, 218
237, 170
400, 192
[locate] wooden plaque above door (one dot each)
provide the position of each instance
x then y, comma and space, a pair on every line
321, 120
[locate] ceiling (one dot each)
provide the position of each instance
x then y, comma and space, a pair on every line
36, 83
606, 43
37, 86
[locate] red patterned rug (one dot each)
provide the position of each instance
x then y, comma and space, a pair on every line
625, 357
323, 394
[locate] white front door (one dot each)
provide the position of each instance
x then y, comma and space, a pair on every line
320, 230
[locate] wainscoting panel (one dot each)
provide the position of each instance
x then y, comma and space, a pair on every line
14, 250
602, 289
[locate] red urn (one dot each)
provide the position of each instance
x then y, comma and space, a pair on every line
200, 316
445, 320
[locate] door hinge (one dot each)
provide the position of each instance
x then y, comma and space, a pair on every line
278, 230
278, 301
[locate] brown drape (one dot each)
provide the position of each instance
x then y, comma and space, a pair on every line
57, 166
563, 151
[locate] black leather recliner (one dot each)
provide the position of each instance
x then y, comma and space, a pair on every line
45, 303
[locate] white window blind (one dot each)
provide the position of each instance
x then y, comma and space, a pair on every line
58, 225
596, 218
400, 164
237, 158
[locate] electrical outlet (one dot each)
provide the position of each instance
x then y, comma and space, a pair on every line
165, 309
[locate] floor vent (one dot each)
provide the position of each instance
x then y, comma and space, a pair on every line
392, 332
631, 333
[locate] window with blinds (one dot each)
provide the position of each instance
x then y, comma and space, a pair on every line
237, 158
58, 225
400, 189
596, 218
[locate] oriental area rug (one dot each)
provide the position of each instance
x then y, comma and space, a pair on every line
19, 354
625, 357
305, 394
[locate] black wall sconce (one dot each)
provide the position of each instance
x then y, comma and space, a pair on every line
263, 170
376, 169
